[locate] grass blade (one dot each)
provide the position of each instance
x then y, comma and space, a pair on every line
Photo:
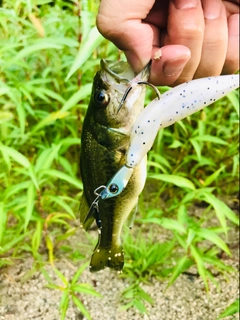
31, 194
31, 49
3, 220
200, 264
17, 156
232, 309
213, 237
61, 175
183, 264
81, 307
87, 48
176, 180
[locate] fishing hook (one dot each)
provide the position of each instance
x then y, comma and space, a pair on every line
130, 88
94, 208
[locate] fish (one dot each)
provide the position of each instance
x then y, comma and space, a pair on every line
105, 140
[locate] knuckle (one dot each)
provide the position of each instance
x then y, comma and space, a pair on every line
102, 24
109, 28
188, 31
192, 30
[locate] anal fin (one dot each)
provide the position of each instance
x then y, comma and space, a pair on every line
132, 216
86, 218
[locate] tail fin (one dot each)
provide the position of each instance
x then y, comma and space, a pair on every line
112, 257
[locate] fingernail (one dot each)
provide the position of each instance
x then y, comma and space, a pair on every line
212, 10
185, 4
174, 67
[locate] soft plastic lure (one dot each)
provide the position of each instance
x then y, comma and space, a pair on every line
174, 105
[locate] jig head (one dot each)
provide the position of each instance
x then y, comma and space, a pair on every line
117, 183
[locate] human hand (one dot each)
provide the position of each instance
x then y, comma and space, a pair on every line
197, 38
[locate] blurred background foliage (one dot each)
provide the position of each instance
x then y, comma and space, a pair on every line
49, 54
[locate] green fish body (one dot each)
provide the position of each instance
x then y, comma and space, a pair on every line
104, 142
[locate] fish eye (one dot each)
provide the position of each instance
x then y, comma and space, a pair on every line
113, 188
101, 98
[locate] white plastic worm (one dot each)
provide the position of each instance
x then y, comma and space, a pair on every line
174, 105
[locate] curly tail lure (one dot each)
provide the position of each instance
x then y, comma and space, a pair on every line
174, 105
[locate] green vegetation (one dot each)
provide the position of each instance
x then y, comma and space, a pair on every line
49, 53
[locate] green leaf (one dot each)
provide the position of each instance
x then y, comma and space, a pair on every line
156, 165
82, 93
21, 116
14, 189
4, 90
213, 176
53, 95
5, 116
197, 148
167, 224
86, 50
232, 309
17, 156
221, 209
64, 304
42, 45
81, 307
62, 204
12, 243
61, 276
37, 236
58, 174
234, 98
183, 264
209, 138
175, 144
79, 272
3, 220
46, 158
190, 237
49, 120
33, 176
200, 264
176, 180
145, 296
85, 288
212, 237
31, 194
139, 305
127, 306
217, 263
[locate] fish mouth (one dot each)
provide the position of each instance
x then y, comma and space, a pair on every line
121, 72
119, 76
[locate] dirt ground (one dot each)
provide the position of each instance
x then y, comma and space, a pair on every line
30, 299
25, 296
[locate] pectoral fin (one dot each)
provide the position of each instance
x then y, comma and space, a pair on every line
131, 217
86, 216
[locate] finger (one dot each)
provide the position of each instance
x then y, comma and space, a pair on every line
121, 22
215, 41
232, 58
166, 69
186, 27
